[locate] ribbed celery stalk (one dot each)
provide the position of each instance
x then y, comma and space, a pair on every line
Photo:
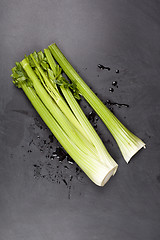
128, 143
97, 171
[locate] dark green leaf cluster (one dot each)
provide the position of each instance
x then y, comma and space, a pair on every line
75, 90
40, 59
19, 76
54, 76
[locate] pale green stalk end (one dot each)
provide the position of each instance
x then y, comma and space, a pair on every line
130, 146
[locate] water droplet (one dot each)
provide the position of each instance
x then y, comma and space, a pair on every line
111, 89
91, 116
114, 83
30, 142
71, 177
108, 102
100, 66
51, 137
60, 154
64, 181
70, 160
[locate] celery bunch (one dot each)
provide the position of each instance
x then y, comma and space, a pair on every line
54, 98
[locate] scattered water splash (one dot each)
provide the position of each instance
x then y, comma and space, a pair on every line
39, 123
56, 172
60, 154
55, 165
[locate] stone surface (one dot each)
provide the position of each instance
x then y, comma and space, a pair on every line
44, 198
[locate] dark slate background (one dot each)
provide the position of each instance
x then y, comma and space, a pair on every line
44, 196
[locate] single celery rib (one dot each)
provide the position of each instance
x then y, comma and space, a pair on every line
128, 143
98, 172
50, 60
